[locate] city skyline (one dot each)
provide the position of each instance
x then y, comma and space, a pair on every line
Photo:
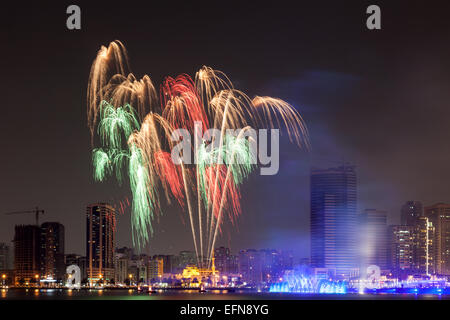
410, 213
401, 219
387, 136
347, 248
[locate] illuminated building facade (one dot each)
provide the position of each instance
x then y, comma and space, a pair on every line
52, 251
193, 276
191, 272
133, 271
424, 234
27, 254
168, 262
401, 250
155, 269
439, 217
266, 265
121, 268
334, 220
100, 236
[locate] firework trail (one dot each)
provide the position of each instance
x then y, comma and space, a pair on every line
135, 130
110, 61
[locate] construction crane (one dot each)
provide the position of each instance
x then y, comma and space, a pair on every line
36, 211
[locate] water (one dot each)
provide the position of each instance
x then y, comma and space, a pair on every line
304, 285
124, 294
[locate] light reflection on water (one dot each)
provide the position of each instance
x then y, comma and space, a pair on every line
125, 294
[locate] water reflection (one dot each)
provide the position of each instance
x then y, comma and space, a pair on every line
129, 294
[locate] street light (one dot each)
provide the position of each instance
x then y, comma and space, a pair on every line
4, 279
131, 277
36, 277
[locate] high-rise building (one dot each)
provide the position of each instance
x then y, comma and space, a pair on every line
270, 264
4, 256
121, 270
168, 262
424, 233
423, 237
83, 264
372, 229
250, 266
439, 217
233, 267
120, 267
401, 250
334, 220
410, 211
155, 269
100, 236
133, 271
223, 260
27, 254
143, 271
52, 251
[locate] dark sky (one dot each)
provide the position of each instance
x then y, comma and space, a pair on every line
378, 99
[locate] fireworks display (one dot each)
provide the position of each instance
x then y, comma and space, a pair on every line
135, 127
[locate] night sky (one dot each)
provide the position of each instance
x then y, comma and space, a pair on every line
377, 99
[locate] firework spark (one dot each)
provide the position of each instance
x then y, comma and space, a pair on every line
136, 132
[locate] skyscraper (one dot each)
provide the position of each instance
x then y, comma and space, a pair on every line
401, 250
52, 250
334, 219
27, 254
142, 265
439, 216
411, 210
423, 237
372, 229
223, 259
100, 236
121, 268
424, 234
271, 264
167, 262
155, 269
250, 266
